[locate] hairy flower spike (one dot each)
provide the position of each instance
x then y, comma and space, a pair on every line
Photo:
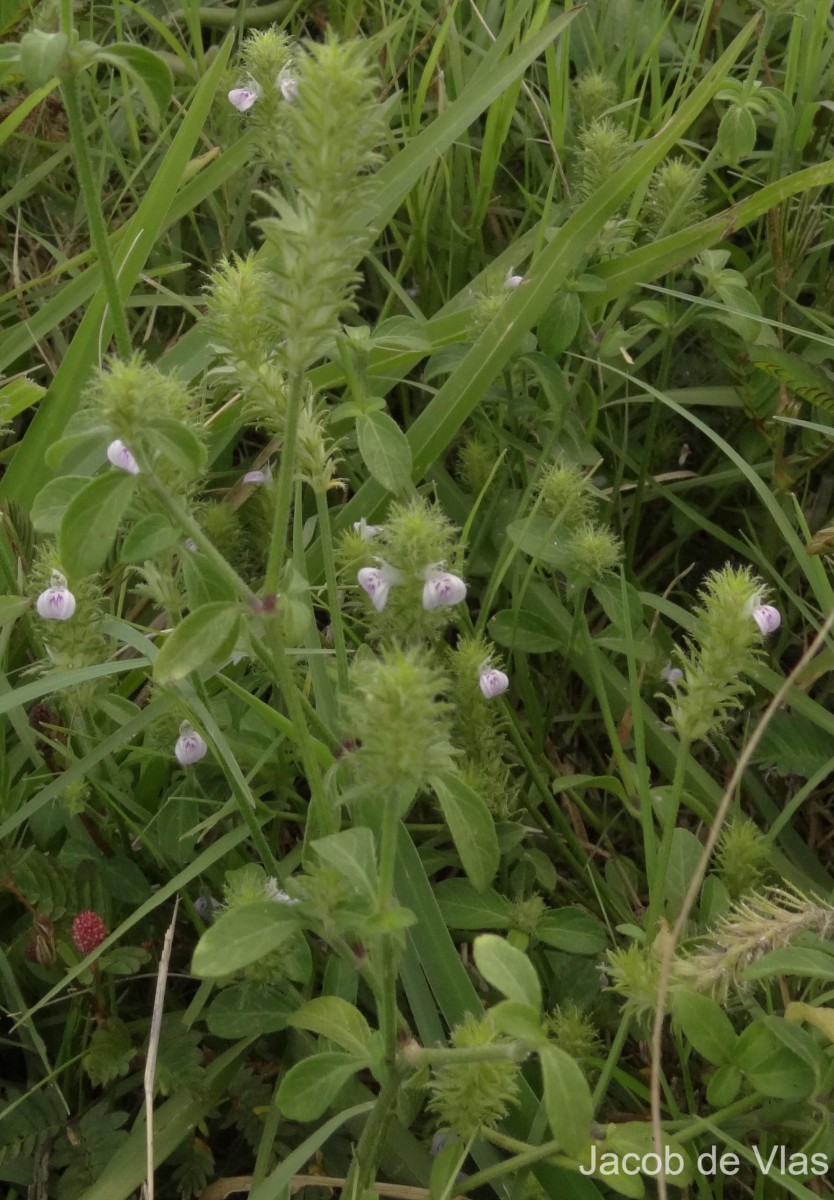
725, 648
57, 603
470, 1096
395, 717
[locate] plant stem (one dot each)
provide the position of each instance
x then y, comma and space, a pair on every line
284, 482
369, 1150
92, 202
336, 623
670, 821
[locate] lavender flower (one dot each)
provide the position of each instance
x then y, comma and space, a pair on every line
257, 477
366, 531
121, 457
767, 618
190, 747
671, 674
491, 681
377, 582
287, 85
57, 603
243, 98
442, 589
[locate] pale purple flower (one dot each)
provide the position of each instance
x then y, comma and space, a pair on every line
243, 98
442, 589
257, 477
287, 85
121, 457
377, 582
366, 531
491, 681
512, 281
190, 747
671, 674
191, 545
57, 603
767, 618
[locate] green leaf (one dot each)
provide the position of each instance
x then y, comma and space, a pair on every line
683, 862
52, 501
636, 1137
242, 936
91, 522
40, 55
472, 828
794, 745
203, 582
178, 444
206, 635
352, 853
335, 1019
610, 596
146, 71
12, 607
385, 451
567, 1099
771, 1067
464, 907
148, 537
560, 324
16, 395
311, 1086
724, 1085
736, 135
804, 961
508, 970
572, 931
247, 1010
524, 631
110, 1053
518, 1020
706, 1026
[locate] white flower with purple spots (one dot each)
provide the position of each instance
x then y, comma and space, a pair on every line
287, 85
190, 747
442, 589
491, 681
121, 457
767, 618
377, 583
243, 98
57, 603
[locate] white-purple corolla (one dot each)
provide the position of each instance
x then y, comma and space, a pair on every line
121, 457
242, 98
442, 589
190, 747
512, 281
491, 681
377, 582
287, 85
366, 531
671, 674
276, 893
258, 477
767, 618
57, 603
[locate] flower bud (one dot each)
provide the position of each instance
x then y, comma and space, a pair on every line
377, 582
287, 85
88, 931
491, 681
442, 589
366, 531
767, 618
121, 457
257, 477
57, 603
190, 747
243, 98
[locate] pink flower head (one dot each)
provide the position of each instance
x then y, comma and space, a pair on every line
491, 681
243, 98
121, 457
442, 589
88, 931
57, 603
767, 618
377, 583
190, 747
